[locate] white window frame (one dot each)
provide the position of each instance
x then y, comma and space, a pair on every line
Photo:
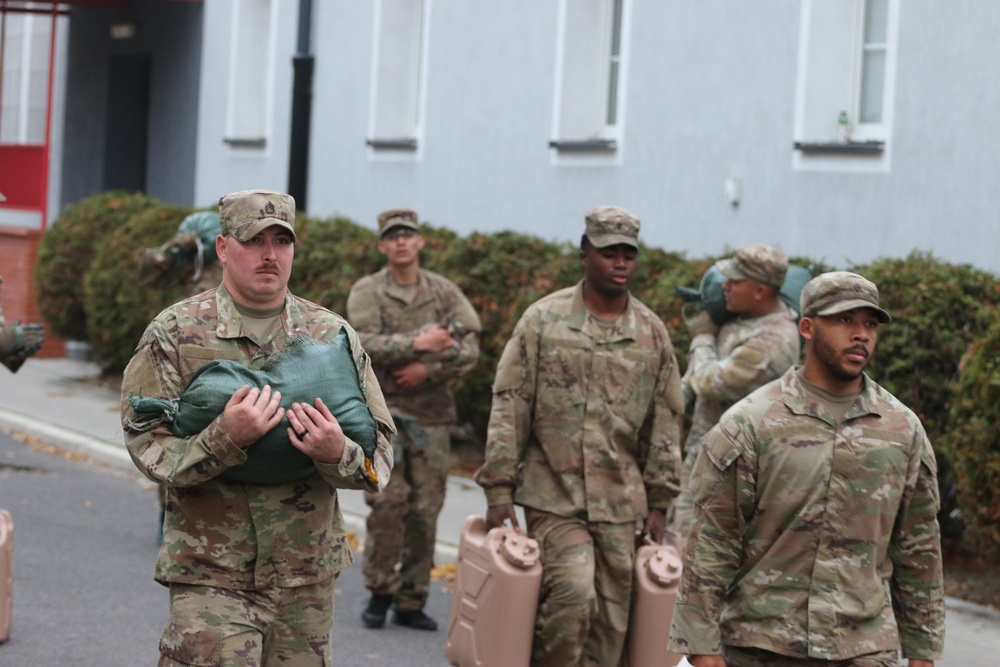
830, 61
861, 129
398, 90
251, 73
24, 102
589, 78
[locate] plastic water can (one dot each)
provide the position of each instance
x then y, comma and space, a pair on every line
654, 595
497, 579
6, 573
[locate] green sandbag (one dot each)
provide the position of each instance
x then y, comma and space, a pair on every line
305, 370
206, 225
713, 300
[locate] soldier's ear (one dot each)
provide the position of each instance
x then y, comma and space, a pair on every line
806, 325
220, 248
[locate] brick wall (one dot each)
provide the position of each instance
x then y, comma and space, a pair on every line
18, 249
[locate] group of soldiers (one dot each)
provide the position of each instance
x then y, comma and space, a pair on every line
805, 499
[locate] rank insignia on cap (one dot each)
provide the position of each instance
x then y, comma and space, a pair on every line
269, 208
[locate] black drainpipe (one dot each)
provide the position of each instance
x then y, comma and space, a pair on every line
298, 154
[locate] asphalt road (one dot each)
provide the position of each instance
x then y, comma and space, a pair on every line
85, 546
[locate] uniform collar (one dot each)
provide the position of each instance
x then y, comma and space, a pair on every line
580, 320
794, 393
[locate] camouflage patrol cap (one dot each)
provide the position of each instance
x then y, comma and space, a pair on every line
837, 292
245, 214
758, 262
397, 217
611, 225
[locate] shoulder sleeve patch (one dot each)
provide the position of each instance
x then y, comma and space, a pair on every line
720, 447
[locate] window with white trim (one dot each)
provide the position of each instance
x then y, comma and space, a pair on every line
590, 75
25, 78
846, 72
250, 74
397, 74
870, 78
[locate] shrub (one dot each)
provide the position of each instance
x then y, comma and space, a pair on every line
973, 441
119, 305
330, 255
938, 309
66, 251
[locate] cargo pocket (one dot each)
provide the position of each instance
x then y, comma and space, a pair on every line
200, 648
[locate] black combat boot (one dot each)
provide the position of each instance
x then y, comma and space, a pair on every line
414, 619
374, 614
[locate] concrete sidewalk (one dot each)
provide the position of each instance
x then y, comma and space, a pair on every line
60, 402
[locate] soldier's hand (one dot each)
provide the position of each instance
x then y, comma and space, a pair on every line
498, 514
250, 413
410, 376
316, 432
655, 526
699, 323
33, 335
706, 661
433, 338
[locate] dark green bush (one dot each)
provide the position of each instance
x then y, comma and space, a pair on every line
938, 309
330, 255
973, 442
118, 304
66, 251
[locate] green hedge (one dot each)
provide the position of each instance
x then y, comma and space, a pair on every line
939, 309
973, 441
66, 251
118, 304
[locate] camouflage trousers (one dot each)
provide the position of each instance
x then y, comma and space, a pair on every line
583, 606
738, 656
218, 627
401, 529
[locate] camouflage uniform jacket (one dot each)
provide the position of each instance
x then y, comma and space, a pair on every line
747, 354
585, 417
388, 317
222, 533
812, 539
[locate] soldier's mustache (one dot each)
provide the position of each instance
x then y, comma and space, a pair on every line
859, 348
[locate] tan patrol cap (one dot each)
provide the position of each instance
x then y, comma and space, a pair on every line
247, 213
397, 217
758, 262
837, 292
611, 225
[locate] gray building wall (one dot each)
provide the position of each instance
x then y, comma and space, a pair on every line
168, 32
711, 94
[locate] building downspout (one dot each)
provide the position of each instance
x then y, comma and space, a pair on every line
298, 154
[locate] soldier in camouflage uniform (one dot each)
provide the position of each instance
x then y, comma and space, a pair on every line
584, 434
251, 568
815, 540
421, 332
725, 364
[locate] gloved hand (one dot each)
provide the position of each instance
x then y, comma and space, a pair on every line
20, 342
698, 322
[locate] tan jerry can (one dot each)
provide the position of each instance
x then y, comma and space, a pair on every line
6, 573
497, 579
654, 595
